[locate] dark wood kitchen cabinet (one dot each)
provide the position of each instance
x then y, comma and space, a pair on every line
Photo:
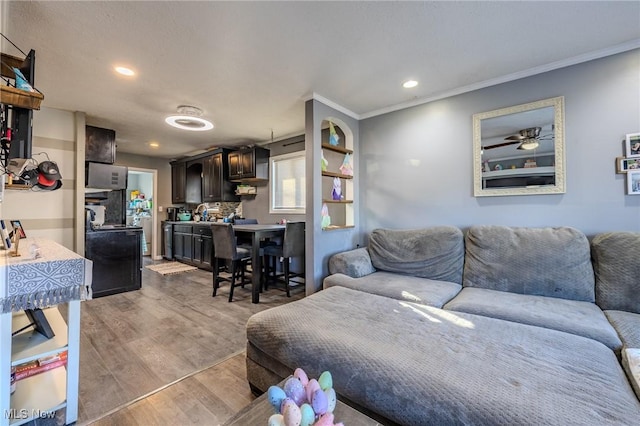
250, 164
215, 185
202, 247
100, 145
182, 243
193, 245
178, 181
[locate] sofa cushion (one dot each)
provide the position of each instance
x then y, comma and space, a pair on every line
616, 262
627, 324
436, 253
415, 365
397, 286
354, 263
631, 363
571, 316
552, 262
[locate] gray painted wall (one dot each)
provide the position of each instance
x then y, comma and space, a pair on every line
257, 207
602, 105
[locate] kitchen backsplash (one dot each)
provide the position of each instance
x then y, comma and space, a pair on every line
225, 208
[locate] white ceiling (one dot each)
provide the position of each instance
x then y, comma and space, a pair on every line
251, 65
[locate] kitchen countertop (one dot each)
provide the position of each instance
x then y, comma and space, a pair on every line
188, 222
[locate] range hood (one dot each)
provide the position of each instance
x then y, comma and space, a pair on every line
101, 177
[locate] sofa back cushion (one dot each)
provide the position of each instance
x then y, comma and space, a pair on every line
553, 262
616, 262
436, 253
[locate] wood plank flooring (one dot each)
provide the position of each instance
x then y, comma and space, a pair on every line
209, 397
134, 343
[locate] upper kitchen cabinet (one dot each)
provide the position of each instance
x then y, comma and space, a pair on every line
100, 145
215, 186
193, 189
250, 164
178, 181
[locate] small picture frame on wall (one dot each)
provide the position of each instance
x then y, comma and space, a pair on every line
623, 165
18, 229
632, 145
4, 234
633, 182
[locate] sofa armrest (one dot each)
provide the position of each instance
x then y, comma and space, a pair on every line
354, 263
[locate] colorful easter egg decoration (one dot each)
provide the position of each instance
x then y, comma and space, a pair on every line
312, 386
331, 399
301, 375
307, 415
325, 420
293, 389
285, 403
292, 415
325, 380
319, 401
275, 395
276, 420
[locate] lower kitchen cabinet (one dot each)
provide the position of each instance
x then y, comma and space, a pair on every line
202, 251
182, 242
193, 244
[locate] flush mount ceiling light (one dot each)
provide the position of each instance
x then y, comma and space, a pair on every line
409, 84
189, 118
125, 71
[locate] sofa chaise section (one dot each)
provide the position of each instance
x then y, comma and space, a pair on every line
418, 265
616, 263
414, 364
535, 276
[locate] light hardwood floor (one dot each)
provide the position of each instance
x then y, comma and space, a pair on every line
133, 344
209, 397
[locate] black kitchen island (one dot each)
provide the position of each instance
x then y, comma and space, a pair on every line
116, 253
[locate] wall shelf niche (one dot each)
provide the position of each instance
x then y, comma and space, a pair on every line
340, 211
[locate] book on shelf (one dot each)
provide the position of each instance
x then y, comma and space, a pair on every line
41, 365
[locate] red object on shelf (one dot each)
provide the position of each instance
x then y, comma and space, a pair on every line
40, 366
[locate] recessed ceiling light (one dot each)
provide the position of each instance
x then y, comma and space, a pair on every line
125, 71
154, 144
409, 84
188, 118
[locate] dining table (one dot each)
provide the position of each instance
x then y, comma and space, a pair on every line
257, 233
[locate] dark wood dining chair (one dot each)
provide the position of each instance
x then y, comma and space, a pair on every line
225, 249
292, 247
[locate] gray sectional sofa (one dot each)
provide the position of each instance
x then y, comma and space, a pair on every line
499, 325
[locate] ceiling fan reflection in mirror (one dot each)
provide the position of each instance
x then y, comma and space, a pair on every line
528, 139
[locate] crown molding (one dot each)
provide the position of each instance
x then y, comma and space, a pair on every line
585, 57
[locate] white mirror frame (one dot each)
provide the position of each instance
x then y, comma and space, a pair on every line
559, 187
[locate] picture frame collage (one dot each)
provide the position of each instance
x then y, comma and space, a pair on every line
630, 163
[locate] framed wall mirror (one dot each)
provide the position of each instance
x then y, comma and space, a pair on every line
519, 150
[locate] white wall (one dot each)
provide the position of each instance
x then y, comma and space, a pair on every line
602, 104
50, 214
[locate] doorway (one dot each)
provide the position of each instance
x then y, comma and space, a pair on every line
142, 187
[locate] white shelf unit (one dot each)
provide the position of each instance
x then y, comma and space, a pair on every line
56, 268
52, 390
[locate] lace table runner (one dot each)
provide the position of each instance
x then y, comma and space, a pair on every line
57, 275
